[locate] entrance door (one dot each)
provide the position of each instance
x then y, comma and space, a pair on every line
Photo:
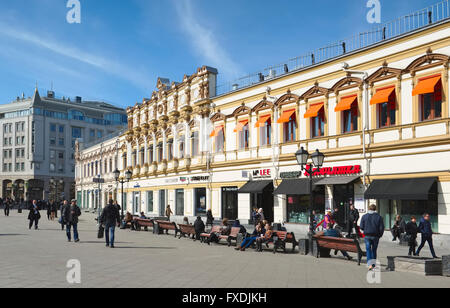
136, 202
343, 196
162, 202
230, 203
265, 201
200, 201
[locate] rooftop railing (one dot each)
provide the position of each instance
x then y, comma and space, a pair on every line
427, 17
117, 133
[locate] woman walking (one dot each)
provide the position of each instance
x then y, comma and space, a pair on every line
411, 233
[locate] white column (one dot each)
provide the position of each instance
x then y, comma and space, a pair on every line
146, 150
155, 143
129, 154
175, 147
187, 139
164, 146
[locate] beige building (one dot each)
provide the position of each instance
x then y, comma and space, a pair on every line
380, 114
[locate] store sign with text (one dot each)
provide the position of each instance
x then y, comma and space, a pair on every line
262, 174
330, 171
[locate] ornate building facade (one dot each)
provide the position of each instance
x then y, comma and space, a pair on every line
383, 126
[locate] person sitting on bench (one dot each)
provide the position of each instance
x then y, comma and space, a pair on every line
264, 239
331, 232
199, 227
226, 230
259, 232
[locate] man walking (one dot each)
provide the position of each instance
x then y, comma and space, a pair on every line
110, 217
353, 217
7, 208
427, 235
64, 204
70, 216
373, 226
34, 215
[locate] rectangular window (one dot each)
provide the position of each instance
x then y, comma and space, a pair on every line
181, 148
61, 142
160, 152
76, 132
290, 129
431, 104
52, 167
244, 136
350, 119
170, 150
53, 127
61, 129
220, 141
149, 201
179, 202
52, 141
265, 133
318, 124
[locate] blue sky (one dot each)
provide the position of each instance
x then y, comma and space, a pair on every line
122, 46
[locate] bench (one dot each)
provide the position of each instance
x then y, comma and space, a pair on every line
140, 222
279, 240
188, 230
167, 225
233, 236
341, 244
204, 236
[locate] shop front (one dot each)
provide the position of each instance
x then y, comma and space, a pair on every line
261, 196
230, 202
405, 197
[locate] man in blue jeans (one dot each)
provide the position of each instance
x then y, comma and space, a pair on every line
427, 235
373, 226
70, 216
110, 217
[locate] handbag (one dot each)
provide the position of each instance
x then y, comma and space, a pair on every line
101, 231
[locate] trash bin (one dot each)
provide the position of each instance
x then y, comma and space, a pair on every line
303, 246
446, 266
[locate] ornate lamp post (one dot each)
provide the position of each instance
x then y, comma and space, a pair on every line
128, 175
317, 161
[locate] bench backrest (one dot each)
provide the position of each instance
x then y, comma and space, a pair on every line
281, 234
167, 225
216, 228
187, 228
235, 231
144, 222
337, 243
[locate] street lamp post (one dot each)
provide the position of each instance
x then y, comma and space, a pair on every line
317, 161
128, 175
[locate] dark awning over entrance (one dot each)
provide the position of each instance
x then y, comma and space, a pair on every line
402, 189
338, 180
294, 187
256, 187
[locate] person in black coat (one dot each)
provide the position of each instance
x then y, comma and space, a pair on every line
353, 218
7, 207
110, 217
398, 228
70, 216
209, 218
427, 235
34, 215
411, 232
199, 227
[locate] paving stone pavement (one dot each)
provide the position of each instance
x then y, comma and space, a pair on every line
30, 258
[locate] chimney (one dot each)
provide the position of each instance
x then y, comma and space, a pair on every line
78, 99
50, 94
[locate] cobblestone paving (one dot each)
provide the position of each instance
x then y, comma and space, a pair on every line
31, 258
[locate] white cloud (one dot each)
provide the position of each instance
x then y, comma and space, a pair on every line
204, 41
106, 65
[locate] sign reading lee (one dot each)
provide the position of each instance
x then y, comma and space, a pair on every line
262, 174
344, 170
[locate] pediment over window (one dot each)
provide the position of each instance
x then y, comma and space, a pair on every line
218, 117
428, 61
287, 98
347, 83
315, 91
384, 73
263, 105
242, 110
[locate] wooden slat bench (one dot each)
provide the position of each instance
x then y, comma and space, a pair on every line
214, 229
140, 222
341, 244
188, 230
279, 240
233, 236
167, 225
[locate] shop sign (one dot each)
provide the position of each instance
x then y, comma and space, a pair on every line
344, 170
232, 189
199, 178
290, 175
172, 181
262, 174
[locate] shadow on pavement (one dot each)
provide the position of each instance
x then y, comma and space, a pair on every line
145, 247
13, 235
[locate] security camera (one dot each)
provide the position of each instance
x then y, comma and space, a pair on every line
345, 66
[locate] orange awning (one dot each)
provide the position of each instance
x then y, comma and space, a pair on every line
426, 85
262, 121
313, 111
346, 103
216, 131
286, 116
240, 126
382, 96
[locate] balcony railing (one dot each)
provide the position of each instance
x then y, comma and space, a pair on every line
427, 17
